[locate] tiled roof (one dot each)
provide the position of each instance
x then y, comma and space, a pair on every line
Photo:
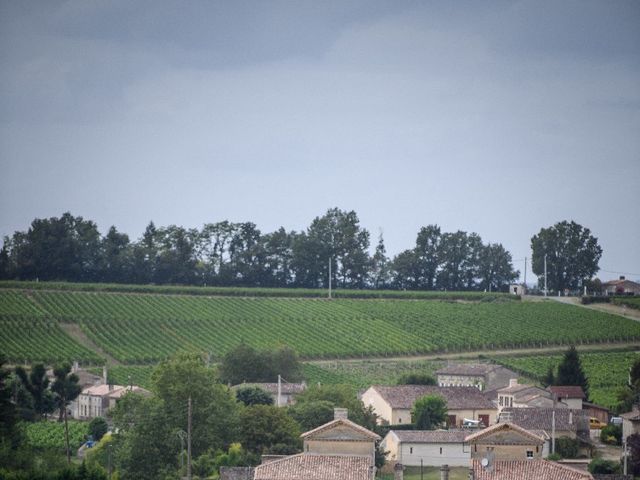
305, 466
101, 390
568, 391
502, 428
285, 388
567, 419
527, 470
467, 369
631, 283
431, 436
458, 398
338, 422
121, 391
633, 415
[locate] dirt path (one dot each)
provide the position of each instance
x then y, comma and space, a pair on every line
621, 310
494, 353
75, 332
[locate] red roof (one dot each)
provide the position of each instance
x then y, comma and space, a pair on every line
527, 470
568, 391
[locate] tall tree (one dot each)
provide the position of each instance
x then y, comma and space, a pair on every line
268, 429
572, 255
36, 383
570, 371
66, 387
380, 268
427, 256
455, 251
405, 270
429, 412
115, 257
495, 268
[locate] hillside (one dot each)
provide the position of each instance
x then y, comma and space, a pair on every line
139, 328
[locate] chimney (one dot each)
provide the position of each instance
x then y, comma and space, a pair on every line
622, 277
104, 375
398, 472
513, 382
340, 413
444, 472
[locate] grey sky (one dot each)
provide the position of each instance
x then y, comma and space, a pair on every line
499, 118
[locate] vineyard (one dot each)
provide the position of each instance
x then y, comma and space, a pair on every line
606, 372
631, 302
139, 328
50, 434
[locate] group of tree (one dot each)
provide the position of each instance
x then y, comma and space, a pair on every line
31, 397
225, 253
245, 364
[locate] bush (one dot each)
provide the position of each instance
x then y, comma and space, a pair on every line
97, 428
611, 434
554, 457
598, 465
567, 447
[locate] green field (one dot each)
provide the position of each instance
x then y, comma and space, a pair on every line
631, 302
139, 328
50, 434
606, 372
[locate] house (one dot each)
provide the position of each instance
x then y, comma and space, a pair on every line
571, 395
338, 450
288, 391
631, 422
518, 289
484, 376
427, 447
96, 400
393, 404
622, 286
518, 395
507, 441
569, 423
524, 470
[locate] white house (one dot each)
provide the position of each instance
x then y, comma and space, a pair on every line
431, 447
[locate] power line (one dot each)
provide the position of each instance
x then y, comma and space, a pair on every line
619, 273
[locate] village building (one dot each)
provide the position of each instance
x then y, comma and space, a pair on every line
622, 286
507, 441
288, 391
571, 395
484, 376
427, 447
631, 422
518, 395
518, 289
570, 423
393, 404
482, 469
602, 414
338, 450
95, 401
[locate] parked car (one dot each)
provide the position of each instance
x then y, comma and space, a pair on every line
595, 424
616, 421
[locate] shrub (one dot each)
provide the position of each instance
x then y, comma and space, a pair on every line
97, 428
567, 447
611, 434
599, 465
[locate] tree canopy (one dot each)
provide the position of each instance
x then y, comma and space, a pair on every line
570, 371
429, 412
572, 255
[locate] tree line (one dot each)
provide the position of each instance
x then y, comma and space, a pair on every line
225, 253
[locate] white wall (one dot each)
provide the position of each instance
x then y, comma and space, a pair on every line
453, 454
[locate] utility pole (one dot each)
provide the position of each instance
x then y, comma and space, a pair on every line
553, 431
329, 277
545, 274
624, 452
525, 272
189, 440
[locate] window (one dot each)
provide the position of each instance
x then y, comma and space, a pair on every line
399, 420
410, 449
440, 450
529, 453
501, 401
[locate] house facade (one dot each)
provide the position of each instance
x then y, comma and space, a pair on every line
622, 286
506, 441
484, 376
96, 400
631, 422
518, 395
572, 396
393, 404
427, 447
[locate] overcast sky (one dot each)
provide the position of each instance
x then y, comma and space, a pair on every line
494, 117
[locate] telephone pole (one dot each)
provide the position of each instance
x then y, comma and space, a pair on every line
525, 272
189, 440
545, 274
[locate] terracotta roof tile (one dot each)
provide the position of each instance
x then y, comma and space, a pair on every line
305, 466
568, 391
341, 421
458, 398
567, 419
527, 470
504, 427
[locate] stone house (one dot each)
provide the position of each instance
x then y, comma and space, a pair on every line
484, 376
427, 447
338, 450
572, 396
96, 400
393, 404
507, 441
631, 422
622, 286
518, 395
